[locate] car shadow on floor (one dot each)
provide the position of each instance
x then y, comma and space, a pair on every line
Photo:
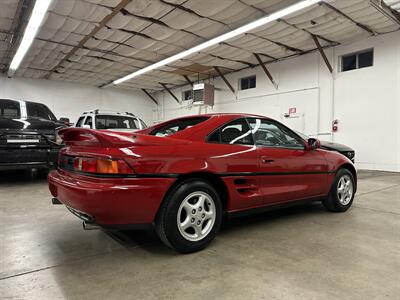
21, 176
148, 240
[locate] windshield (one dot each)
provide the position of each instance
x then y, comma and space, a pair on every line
177, 125
38, 110
143, 124
9, 109
116, 122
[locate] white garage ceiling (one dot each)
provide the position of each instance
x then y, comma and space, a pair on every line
98, 41
394, 4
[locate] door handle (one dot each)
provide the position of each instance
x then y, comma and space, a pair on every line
267, 160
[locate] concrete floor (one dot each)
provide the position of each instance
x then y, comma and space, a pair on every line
297, 253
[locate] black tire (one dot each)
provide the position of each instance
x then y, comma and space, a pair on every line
167, 222
334, 203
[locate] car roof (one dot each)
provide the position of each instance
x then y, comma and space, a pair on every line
21, 100
234, 114
210, 115
199, 131
109, 113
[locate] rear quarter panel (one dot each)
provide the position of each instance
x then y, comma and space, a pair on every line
198, 157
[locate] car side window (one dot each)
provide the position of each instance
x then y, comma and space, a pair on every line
89, 121
79, 123
268, 133
235, 132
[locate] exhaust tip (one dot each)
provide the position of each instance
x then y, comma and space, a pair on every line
55, 201
90, 226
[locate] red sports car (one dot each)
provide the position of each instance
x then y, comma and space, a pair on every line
183, 175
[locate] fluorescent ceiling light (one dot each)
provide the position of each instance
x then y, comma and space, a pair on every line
272, 17
38, 13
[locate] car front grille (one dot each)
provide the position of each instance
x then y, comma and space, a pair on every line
26, 140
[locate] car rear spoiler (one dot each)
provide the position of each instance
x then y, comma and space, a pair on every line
112, 139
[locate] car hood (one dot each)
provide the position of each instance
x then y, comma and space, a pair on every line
335, 146
28, 123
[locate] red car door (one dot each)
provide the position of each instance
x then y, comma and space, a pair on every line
232, 152
288, 171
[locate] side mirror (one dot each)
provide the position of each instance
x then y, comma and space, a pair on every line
313, 144
64, 120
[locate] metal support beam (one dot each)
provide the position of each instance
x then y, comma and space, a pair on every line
83, 41
268, 56
266, 70
321, 51
332, 43
386, 10
233, 60
286, 47
188, 80
224, 79
169, 91
150, 96
362, 26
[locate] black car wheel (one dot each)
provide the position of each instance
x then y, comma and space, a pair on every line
190, 216
342, 192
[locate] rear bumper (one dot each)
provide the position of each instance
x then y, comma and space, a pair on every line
110, 201
11, 159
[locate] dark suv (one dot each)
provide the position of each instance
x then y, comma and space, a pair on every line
28, 135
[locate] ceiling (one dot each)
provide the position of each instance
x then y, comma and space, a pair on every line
97, 41
394, 4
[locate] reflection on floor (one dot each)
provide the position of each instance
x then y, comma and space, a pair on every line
297, 253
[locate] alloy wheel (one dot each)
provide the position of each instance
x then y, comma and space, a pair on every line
345, 190
196, 216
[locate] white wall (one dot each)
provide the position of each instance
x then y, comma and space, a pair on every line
70, 100
366, 101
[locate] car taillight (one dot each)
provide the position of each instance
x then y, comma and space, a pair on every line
101, 166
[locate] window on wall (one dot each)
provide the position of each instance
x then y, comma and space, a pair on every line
247, 83
187, 95
358, 60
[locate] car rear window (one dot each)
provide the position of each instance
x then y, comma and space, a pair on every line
9, 109
174, 126
116, 122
